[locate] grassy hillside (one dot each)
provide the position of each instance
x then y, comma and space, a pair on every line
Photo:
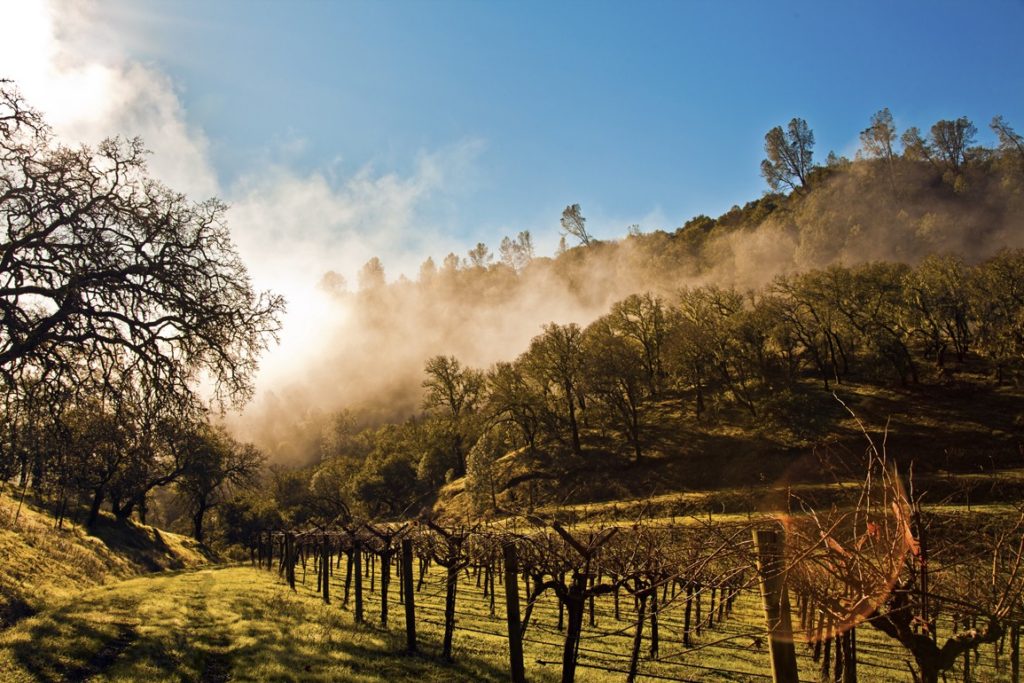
963, 441
43, 565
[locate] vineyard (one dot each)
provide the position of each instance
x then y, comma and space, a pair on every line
685, 602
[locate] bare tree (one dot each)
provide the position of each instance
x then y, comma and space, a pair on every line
97, 256
790, 155
573, 223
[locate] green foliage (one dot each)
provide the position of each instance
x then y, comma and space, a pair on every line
482, 476
243, 517
387, 484
952, 141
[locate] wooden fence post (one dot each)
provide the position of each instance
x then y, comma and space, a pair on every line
770, 547
515, 634
410, 607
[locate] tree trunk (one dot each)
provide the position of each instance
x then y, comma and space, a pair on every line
572, 422
197, 521
94, 509
574, 605
452, 585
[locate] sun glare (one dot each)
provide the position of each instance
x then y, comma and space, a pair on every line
72, 93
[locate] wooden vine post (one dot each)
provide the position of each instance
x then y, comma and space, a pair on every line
289, 558
357, 552
515, 636
325, 569
409, 592
770, 547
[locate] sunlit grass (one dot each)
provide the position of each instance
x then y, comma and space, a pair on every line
245, 624
42, 565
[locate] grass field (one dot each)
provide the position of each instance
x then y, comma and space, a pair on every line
240, 623
42, 564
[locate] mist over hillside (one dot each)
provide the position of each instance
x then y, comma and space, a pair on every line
375, 337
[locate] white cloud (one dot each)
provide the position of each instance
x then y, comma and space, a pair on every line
91, 90
290, 228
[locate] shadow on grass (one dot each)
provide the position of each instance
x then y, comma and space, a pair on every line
344, 650
235, 628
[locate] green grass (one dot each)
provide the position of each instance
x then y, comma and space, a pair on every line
43, 565
211, 624
245, 624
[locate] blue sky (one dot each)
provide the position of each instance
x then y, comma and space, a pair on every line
642, 112
340, 131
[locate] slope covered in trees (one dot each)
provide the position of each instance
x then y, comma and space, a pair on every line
892, 279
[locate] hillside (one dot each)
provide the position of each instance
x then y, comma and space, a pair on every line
372, 341
44, 565
961, 441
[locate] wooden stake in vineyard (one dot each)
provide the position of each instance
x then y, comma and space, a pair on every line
515, 636
409, 593
770, 547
